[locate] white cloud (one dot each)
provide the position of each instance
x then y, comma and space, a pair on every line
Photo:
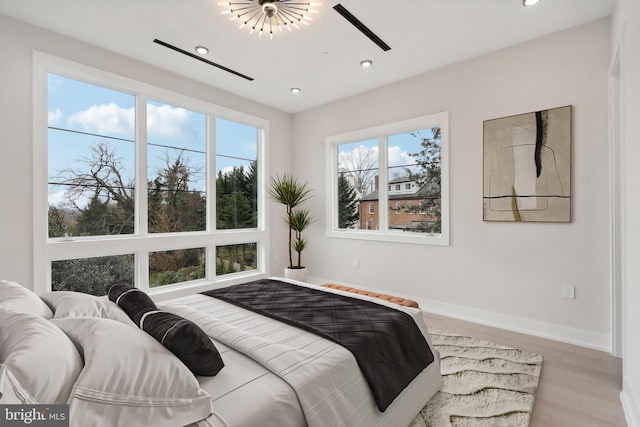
54, 117
166, 121
163, 121
105, 119
358, 157
227, 169
397, 157
57, 199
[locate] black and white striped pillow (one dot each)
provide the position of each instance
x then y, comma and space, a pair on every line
181, 336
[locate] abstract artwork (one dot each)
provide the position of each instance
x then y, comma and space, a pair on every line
527, 167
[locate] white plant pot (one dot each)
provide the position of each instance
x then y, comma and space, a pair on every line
299, 274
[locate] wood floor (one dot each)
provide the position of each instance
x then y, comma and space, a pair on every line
579, 387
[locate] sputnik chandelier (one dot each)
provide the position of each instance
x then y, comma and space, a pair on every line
267, 15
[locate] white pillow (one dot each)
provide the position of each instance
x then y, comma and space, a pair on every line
39, 363
19, 298
130, 379
77, 304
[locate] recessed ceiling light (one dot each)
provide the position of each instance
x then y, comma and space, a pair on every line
530, 2
366, 63
295, 90
202, 50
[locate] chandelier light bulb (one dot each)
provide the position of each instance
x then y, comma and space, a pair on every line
264, 15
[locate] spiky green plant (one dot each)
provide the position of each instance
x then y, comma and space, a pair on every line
288, 191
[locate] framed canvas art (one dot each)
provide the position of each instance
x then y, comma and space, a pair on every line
527, 167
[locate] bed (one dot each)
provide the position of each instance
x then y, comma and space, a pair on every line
275, 374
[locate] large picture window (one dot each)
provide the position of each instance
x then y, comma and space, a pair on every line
390, 182
141, 185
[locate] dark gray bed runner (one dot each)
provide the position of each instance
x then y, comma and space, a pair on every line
387, 344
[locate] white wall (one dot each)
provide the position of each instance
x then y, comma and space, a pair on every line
17, 41
626, 41
498, 273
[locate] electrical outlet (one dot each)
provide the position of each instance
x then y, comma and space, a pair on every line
569, 291
356, 263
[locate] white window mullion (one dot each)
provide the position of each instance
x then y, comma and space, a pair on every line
210, 267
142, 269
263, 174
141, 192
383, 184
443, 122
331, 183
211, 172
262, 263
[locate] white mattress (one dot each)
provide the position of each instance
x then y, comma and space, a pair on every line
289, 377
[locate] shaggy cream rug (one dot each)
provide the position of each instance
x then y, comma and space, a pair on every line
484, 384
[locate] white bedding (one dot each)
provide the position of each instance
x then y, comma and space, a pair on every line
286, 375
275, 375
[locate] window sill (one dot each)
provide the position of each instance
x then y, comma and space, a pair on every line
399, 237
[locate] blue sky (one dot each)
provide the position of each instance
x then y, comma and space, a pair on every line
90, 109
400, 148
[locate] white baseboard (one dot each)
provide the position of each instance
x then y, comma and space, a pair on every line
537, 328
629, 405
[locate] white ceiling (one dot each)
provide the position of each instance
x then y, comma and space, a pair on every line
322, 59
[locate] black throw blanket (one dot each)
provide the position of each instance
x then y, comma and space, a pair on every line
387, 344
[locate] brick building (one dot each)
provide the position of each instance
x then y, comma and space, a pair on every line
408, 208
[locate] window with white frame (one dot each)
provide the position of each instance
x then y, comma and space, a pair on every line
412, 152
371, 208
141, 185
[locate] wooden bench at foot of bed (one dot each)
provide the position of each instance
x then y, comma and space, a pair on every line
396, 300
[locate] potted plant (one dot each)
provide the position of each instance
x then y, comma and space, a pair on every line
289, 192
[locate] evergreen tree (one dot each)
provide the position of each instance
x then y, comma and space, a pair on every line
429, 178
347, 203
57, 224
236, 198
